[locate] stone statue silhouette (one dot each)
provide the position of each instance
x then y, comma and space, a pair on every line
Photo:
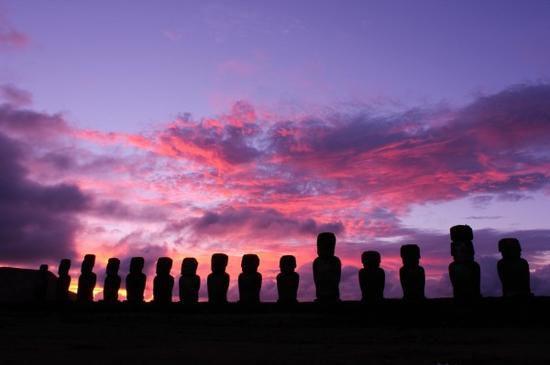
86, 280
163, 284
287, 280
190, 282
218, 279
112, 281
464, 272
327, 269
411, 274
513, 270
41, 284
250, 280
63, 281
135, 281
372, 278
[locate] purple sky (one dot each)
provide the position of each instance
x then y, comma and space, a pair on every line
171, 127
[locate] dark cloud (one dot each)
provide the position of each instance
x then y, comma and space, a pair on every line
15, 96
254, 222
37, 222
30, 125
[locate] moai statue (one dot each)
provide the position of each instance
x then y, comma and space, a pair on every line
287, 280
63, 281
513, 270
163, 284
135, 281
372, 278
218, 280
41, 289
327, 269
250, 280
112, 281
86, 280
190, 282
464, 272
411, 275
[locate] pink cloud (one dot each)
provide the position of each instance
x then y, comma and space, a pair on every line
11, 38
247, 181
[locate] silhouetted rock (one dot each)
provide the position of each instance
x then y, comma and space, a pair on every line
372, 278
513, 270
464, 272
218, 280
112, 281
86, 280
327, 269
135, 281
20, 285
163, 284
190, 282
42, 282
287, 280
63, 281
411, 274
250, 280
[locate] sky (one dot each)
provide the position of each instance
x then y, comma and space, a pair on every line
170, 128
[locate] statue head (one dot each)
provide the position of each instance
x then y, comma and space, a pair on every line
219, 262
88, 264
250, 263
164, 265
113, 265
64, 267
410, 254
370, 259
136, 265
326, 244
189, 266
287, 264
509, 248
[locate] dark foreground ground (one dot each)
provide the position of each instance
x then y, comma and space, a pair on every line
436, 332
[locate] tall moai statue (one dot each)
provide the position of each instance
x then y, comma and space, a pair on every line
372, 277
163, 284
218, 279
287, 280
86, 280
63, 281
41, 285
464, 272
513, 270
190, 282
112, 281
411, 274
327, 269
135, 281
250, 280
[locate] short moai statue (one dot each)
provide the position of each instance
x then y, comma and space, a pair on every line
327, 269
41, 285
218, 279
464, 272
63, 281
372, 278
250, 280
135, 281
513, 270
163, 284
287, 280
86, 280
189, 282
112, 281
411, 274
